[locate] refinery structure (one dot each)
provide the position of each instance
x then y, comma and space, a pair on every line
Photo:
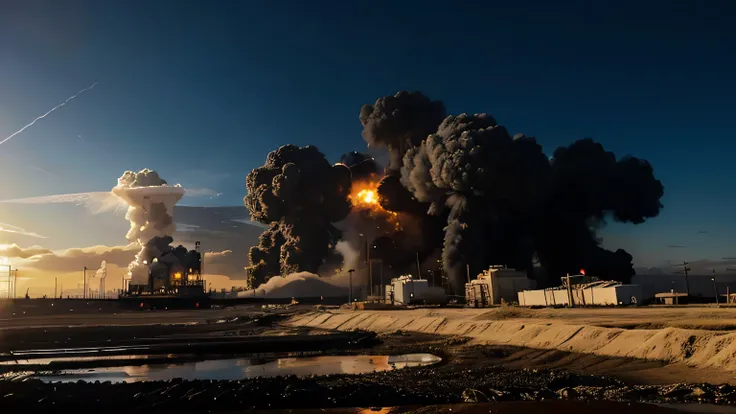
159, 268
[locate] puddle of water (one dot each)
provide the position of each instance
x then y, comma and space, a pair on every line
241, 368
142, 357
47, 361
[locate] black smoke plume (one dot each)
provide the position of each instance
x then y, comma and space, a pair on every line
485, 179
461, 184
508, 202
299, 195
400, 122
395, 236
588, 184
177, 258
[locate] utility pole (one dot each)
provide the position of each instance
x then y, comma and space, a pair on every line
370, 268
350, 285
687, 282
84, 285
715, 289
383, 288
467, 271
56, 282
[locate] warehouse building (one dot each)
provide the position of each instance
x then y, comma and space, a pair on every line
582, 290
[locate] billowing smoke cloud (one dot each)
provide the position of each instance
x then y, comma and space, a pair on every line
400, 122
299, 195
151, 203
508, 202
485, 179
589, 184
460, 184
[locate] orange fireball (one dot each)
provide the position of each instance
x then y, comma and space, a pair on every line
364, 195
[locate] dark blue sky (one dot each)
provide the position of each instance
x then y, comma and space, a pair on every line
201, 92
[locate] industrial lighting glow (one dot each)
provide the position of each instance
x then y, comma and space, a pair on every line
177, 276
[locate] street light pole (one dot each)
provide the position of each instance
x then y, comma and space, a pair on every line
350, 285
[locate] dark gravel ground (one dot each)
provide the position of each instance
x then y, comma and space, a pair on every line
422, 386
468, 374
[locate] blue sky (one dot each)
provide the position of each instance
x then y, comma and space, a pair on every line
202, 91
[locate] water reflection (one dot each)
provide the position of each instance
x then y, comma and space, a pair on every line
240, 368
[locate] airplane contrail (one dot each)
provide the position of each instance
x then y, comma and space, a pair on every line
50, 111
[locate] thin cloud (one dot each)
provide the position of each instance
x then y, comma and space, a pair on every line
13, 251
676, 246
9, 228
96, 201
73, 259
99, 201
702, 232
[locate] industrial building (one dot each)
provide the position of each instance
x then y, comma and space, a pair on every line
169, 275
405, 290
582, 290
495, 285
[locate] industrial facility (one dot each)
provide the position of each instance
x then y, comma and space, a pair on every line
495, 286
405, 290
583, 290
172, 274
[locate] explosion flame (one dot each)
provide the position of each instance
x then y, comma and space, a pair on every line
364, 196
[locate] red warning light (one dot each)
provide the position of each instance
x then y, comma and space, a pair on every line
582, 272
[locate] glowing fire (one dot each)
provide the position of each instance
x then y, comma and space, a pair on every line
367, 197
364, 195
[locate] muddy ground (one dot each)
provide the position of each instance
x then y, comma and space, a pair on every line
468, 372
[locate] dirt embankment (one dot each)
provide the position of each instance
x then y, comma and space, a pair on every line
696, 348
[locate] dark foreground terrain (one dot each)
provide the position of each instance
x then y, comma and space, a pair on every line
510, 378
